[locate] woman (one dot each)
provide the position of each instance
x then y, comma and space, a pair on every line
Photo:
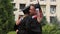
16, 27
21, 19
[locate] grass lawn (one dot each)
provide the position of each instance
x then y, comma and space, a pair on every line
12, 32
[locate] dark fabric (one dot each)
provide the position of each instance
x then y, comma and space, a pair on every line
26, 10
23, 27
32, 32
16, 27
34, 25
29, 25
21, 32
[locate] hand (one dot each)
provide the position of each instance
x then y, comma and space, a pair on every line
17, 30
39, 18
17, 22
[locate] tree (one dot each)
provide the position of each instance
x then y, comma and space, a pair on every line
6, 16
44, 21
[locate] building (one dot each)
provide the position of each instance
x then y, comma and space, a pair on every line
50, 8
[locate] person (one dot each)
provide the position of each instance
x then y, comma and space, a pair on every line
17, 23
34, 21
31, 24
21, 22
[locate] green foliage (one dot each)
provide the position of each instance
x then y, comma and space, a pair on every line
12, 32
44, 21
50, 29
6, 16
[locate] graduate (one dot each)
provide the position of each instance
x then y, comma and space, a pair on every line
21, 28
35, 19
31, 24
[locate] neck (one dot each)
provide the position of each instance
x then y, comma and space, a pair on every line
32, 14
26, 15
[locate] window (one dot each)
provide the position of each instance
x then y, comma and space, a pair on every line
32, 0
43, 7
42, 0
52, 9
14, 9
53, 19
22, 6
53, 0
13, 4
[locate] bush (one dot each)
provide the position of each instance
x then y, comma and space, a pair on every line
44, 21
50, 29
6, 16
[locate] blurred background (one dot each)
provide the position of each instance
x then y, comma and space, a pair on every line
11, 9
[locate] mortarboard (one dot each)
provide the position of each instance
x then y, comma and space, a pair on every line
38, 5
26, 10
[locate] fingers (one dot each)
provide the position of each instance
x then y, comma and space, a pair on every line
17, 30
17, 22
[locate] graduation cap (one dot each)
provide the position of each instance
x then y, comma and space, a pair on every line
26, 10
38, 5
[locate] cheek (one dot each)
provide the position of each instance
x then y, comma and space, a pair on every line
34, 11
31, 11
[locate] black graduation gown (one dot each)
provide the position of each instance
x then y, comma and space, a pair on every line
29, 25
35, 27
15, 27
23, 26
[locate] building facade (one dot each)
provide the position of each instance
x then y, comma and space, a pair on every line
50, 8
